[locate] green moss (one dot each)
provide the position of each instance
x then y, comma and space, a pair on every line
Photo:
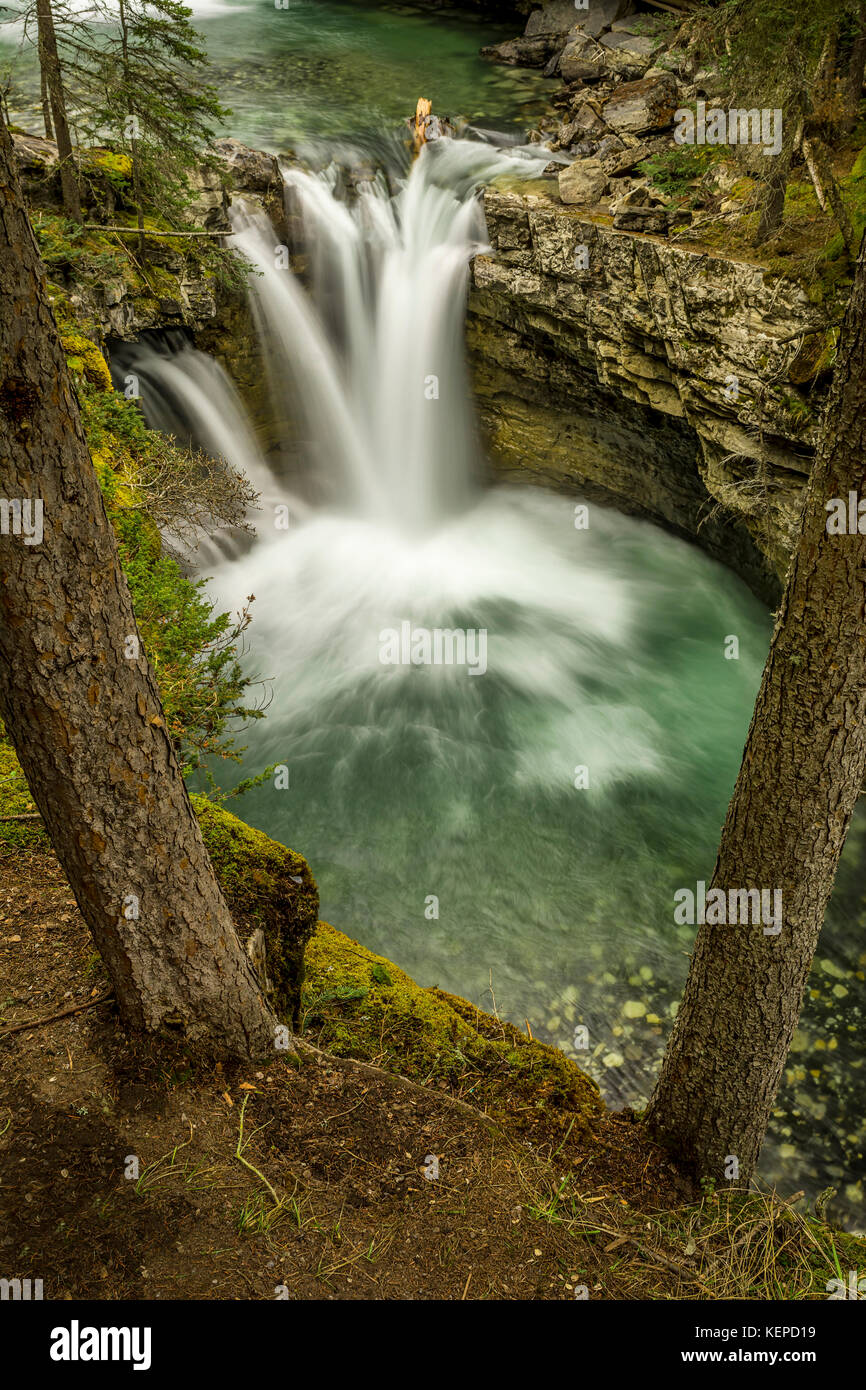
816, 355
265, 885
15, 800
362, 1005
85, 359
114, 164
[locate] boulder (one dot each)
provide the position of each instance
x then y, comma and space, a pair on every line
629, 55
610, 148
252, 171
621, 160
637, 107
34, 153
642, 209
582, 59
209, 205
523, 53
583, 182
644, 25
555, 17
587, 121
38, 168
601, 14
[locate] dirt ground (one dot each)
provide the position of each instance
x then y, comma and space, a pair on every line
127, 1171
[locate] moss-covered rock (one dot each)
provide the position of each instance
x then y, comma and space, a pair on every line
85, 359
267, 887
364, 1006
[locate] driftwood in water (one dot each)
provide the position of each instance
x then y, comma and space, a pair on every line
425, 127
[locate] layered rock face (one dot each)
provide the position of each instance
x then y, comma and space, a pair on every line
647, 375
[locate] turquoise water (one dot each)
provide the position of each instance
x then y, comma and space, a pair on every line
324, 69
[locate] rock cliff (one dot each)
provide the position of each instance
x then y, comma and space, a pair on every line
665, 378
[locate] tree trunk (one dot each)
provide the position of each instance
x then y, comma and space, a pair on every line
801, 774
53, 79
83, 710
54, 82
856, 70
43, 80
773, 204
136, 158
818, 156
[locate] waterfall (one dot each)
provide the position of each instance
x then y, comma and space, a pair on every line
531, 824
188, 395
370, 354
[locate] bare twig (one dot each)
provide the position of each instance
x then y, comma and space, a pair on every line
51, 1018
152, 232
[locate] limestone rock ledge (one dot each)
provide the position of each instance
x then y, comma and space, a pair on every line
663, 379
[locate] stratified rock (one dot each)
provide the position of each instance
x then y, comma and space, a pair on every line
641, 210
524, 53
637, 107
583, 183
629, 55
252, 171
609, 379
582, 59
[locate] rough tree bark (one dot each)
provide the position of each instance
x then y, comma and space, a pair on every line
83, 710
773, 202
133, 138
44, 94
856, 69
53, 79
801, 775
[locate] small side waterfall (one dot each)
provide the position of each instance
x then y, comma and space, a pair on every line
188, 395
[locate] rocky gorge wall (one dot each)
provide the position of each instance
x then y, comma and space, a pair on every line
655, 378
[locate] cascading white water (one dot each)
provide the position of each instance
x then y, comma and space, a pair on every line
372, 357
187, 393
